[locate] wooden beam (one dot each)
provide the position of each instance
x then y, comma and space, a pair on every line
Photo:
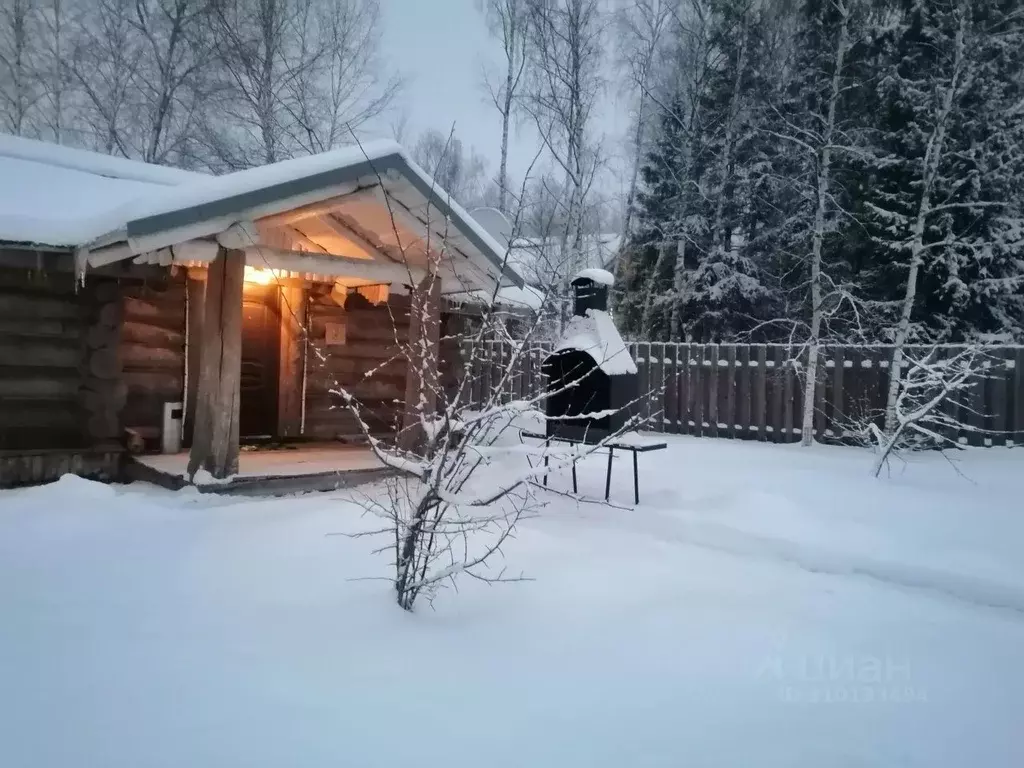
335, 266
215, 439
318, 208
421, 381
344, 226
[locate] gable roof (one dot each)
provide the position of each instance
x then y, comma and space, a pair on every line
57, 196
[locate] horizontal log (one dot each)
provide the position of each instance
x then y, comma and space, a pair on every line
171, 292
104, 363
142, 357
58, 329
43, 307
152, 335
379, 328
103, 291
36, 352
171, 317
359, 350
39, 282
164, 384
102, 336
376, 388
110, 397
40, 414
361, 366
39, 384
110, 316
103, 426
29, 438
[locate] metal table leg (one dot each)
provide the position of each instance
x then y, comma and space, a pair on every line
574, 490
636, 481
608, 478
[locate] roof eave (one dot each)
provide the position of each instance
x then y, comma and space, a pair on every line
228, 208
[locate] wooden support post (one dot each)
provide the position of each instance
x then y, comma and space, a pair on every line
196, 289
289, 391
215, 439
421, 381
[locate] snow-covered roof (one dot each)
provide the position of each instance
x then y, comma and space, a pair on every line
599, 276
60, 196
597, 335
56, 196
511, 297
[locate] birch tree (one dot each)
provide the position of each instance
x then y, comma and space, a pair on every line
642, 27
58, 24
297, 76
564, 83
18, 78
105, 62
459, 171
507, 21
813, 125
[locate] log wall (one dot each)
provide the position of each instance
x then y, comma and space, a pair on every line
152, 354
369, 348
42, 330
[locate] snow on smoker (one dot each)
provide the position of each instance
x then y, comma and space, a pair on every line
592, 379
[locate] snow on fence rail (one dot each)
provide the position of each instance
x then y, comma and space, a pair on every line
754, 391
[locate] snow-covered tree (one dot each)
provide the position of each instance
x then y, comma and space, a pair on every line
944, 207
460, 171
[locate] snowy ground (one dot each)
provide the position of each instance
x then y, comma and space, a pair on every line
764, 606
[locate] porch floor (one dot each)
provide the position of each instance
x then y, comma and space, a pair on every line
305, 459
272, 471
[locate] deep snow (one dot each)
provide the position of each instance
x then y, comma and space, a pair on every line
764, 606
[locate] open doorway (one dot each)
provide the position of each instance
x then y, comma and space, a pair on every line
261, 349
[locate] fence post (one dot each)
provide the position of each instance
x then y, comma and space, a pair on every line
1017, 424
743, 393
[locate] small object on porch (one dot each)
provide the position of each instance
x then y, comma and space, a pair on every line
170, 431
630, 441
134, 442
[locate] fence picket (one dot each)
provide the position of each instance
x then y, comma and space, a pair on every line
671, 398
698, 394
822, 382
744, 426
656, 365
1018, 397
685, 388
729, 392
834, 429
788, 404
759, 396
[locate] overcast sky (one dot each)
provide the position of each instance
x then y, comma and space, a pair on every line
440, 47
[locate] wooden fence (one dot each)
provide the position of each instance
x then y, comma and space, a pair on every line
755, 391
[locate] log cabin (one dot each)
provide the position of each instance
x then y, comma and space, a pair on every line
147, 308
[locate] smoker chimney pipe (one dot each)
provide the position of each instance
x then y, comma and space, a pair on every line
588, 294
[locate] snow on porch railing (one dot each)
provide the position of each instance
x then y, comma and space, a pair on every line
755, 391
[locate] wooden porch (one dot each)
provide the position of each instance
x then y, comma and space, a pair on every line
269, 471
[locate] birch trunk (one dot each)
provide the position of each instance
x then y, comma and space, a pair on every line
930, 167
818, 233
730, 138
